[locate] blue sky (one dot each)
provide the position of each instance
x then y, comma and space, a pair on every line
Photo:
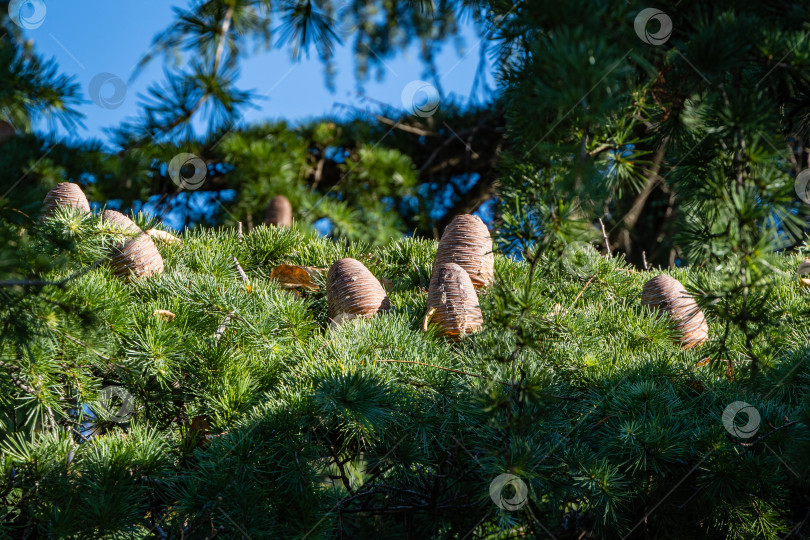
101, 36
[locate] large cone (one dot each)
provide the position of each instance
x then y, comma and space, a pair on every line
279, 212
666, 294
353, 291
64, 194
466, 242
454, 302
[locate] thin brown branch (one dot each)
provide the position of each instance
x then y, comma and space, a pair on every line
605, 238
88, 347
599, 149
223, 326
582, 291
18, 382
404, 127
758, 439
242, 273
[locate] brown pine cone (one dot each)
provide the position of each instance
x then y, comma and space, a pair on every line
467, 242
666, 294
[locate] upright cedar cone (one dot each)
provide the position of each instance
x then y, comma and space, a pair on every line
120, 221
452, 302
352, 291
466, 242
64, 194
666, 294
136, 257
279, 212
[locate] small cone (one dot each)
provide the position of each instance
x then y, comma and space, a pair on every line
353, 291
279, 212
165, 237
452, 302
466, 242
136, 258
64, 194
120, 222
163, 314
666, 294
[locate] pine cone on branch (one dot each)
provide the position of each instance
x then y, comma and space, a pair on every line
666, 294
64, 194
279, 212
467, 243
452, 302
353, 291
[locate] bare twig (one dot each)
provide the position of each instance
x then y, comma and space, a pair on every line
600, 149
242, 273
582, 291
221, 328
758, 439
18, 382
644, 259
605, 237
88, 347
403, 127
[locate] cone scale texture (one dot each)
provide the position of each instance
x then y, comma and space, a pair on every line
467, 243
667, 295
64, 194
353, 291
136, 258
452, 295
279, 212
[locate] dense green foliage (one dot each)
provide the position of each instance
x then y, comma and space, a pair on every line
286, 427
